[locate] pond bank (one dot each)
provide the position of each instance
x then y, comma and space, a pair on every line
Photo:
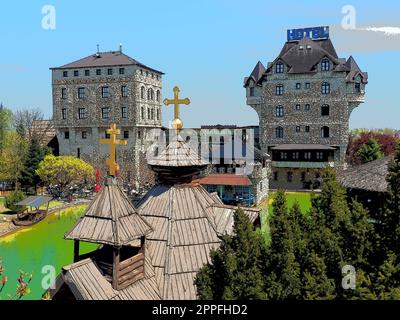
7, 227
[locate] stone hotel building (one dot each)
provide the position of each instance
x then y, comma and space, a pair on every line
304, 99
106, 87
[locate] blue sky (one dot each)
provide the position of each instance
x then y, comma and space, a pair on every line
205, 47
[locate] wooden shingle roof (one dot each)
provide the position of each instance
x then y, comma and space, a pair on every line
188, 223
86, 282
110, 219
370, 176
178, 154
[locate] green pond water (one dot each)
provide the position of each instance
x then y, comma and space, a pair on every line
30, 249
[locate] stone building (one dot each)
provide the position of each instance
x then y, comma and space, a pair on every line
304, 99
107, 87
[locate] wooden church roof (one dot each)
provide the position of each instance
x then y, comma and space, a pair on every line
188, 223
178, 153
110, 219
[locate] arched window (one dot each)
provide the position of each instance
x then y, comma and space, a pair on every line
279, 111
142, 113
325, 88
142, 92
325, 110
279, 132
158, 95
149, 94
158, 114
325, 65
325, 132
279, 89
279, 68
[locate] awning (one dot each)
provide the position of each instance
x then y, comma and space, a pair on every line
34, 201
226, 180
301, 146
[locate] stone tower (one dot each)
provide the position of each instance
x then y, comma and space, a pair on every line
304, 99
103, 88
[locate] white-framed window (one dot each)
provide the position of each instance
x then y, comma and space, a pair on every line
124, 91
64, 114
325, 88
81, 93
325, 65
82, 113
279, 67
279, 89
307, 155
124, 112
308, 85
105, 113
320, 155
279, 111
105, 92
279, 133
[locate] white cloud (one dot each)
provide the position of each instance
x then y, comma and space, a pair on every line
389, 31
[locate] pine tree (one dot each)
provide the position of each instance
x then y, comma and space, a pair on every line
389, 227
36, 153
283, 270
235, 271
369, 151
316, 284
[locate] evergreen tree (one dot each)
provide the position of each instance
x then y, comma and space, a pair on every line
283, 270
36, 153
235, 271
315, 282
369, 151
389, 227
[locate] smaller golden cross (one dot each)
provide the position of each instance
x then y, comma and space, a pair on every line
177, 123
113, 142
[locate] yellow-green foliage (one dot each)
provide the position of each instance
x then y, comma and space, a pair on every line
65, 171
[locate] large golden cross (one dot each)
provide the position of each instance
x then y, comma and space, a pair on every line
177, 123
113, 142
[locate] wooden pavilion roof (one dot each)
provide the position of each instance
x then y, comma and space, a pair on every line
110, 219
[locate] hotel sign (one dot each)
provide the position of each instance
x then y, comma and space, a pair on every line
312, 33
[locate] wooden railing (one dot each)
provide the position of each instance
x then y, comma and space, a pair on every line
130, 270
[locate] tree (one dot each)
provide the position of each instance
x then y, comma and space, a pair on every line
14, 197
369, 151
389, 227
5, 125
283, 269
28, 122
29, 178
65, 171
235, 271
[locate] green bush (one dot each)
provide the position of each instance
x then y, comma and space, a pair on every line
13, 198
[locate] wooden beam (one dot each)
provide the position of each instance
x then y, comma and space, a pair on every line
116, 257
76, 250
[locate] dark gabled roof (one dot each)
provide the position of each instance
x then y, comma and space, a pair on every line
355, 70
110, 219
256, 74
305, 60
105, 59
370, 176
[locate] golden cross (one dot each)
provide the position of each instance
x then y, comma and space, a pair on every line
177, 123
113, 142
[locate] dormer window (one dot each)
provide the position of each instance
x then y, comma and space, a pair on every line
325, 65
279, 68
